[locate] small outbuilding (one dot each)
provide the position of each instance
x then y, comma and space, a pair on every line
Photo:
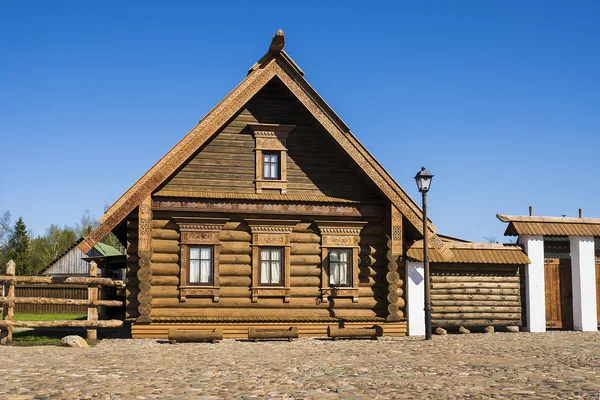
562, 280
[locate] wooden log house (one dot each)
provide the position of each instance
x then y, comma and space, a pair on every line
269, 214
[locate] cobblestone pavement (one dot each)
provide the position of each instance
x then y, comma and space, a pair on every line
499, 365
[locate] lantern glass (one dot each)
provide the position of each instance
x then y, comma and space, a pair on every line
423, 179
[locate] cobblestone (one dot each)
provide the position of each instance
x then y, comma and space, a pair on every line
500, 365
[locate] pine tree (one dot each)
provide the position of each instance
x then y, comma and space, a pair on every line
19, 248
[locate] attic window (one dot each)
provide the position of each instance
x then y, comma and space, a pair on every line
271, 156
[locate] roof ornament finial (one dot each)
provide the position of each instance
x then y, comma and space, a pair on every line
278, 42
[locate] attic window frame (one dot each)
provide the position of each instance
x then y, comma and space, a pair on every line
270, 139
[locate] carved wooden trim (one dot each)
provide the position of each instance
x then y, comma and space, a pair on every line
340, 235
271, 233
396, 231
201, 232
270, 137
269, 207
144, 251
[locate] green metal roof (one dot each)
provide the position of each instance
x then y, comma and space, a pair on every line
107, 250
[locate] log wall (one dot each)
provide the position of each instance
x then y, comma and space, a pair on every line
132, 289
235, 276
474, 295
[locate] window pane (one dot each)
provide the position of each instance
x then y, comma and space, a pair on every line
334, 273
205, 271
194, 271
273, 171
344, 256
333, 256
276, 254
343, 273
267, 158
266, 171
265, 273
205, 253
275, 272
194, 253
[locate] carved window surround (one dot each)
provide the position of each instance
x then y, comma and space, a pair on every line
339, 235
271, 138
271, 233
201, 232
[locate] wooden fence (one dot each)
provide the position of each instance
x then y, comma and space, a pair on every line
92, 302
55, 291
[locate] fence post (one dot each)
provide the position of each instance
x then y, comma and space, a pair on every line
92, 311
8, 309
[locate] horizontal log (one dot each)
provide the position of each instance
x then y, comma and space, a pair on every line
176, 335
475, 291
234, 270
493, 297
66, 302
305, 281
265, 302
476, 315
474, 278
475, 322
475, 309
235, 281
259, 312
164, 291
164, 281
165, 246
235, 259
238, 236
168, 234
164, 258
457, 285
111, 323
335, 332
511, 303
368, 271
163, 224
366, 250
305, 260
164, 269
236, 248
256, 334
75, 280
305, 270
305, 249
304, 237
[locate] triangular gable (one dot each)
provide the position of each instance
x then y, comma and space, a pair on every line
276, 63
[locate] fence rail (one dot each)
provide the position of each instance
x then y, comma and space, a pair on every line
51, 291
91, 302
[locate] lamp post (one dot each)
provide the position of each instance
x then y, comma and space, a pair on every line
423, 179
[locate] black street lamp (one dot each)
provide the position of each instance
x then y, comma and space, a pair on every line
423, 179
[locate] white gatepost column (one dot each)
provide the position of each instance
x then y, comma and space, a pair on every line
415, 294
534, 283
583, 275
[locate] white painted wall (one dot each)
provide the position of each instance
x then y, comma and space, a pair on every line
415, 298
534, 283
583, 274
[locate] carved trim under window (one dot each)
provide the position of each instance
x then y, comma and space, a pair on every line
201, 234
341, 237
270, 139
271, 234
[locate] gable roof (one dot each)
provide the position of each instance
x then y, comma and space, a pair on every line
555, 226
275, 64
472, 253
102, 248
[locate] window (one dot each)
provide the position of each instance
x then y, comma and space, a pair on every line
201, 265
270, 165
339, 268
270, 266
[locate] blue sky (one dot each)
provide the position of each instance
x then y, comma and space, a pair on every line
500, 100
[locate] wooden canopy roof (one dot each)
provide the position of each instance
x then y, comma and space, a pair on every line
551, 226
472, 253
274, 64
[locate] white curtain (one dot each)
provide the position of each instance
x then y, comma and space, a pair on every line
275, 266
264, 266
266, 170
205, 265
338, 268
195, 264
343, 268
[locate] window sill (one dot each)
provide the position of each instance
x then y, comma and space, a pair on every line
198, 291
342, 291
266, 291
270, 184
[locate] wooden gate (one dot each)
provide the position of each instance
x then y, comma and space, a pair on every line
559, 295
